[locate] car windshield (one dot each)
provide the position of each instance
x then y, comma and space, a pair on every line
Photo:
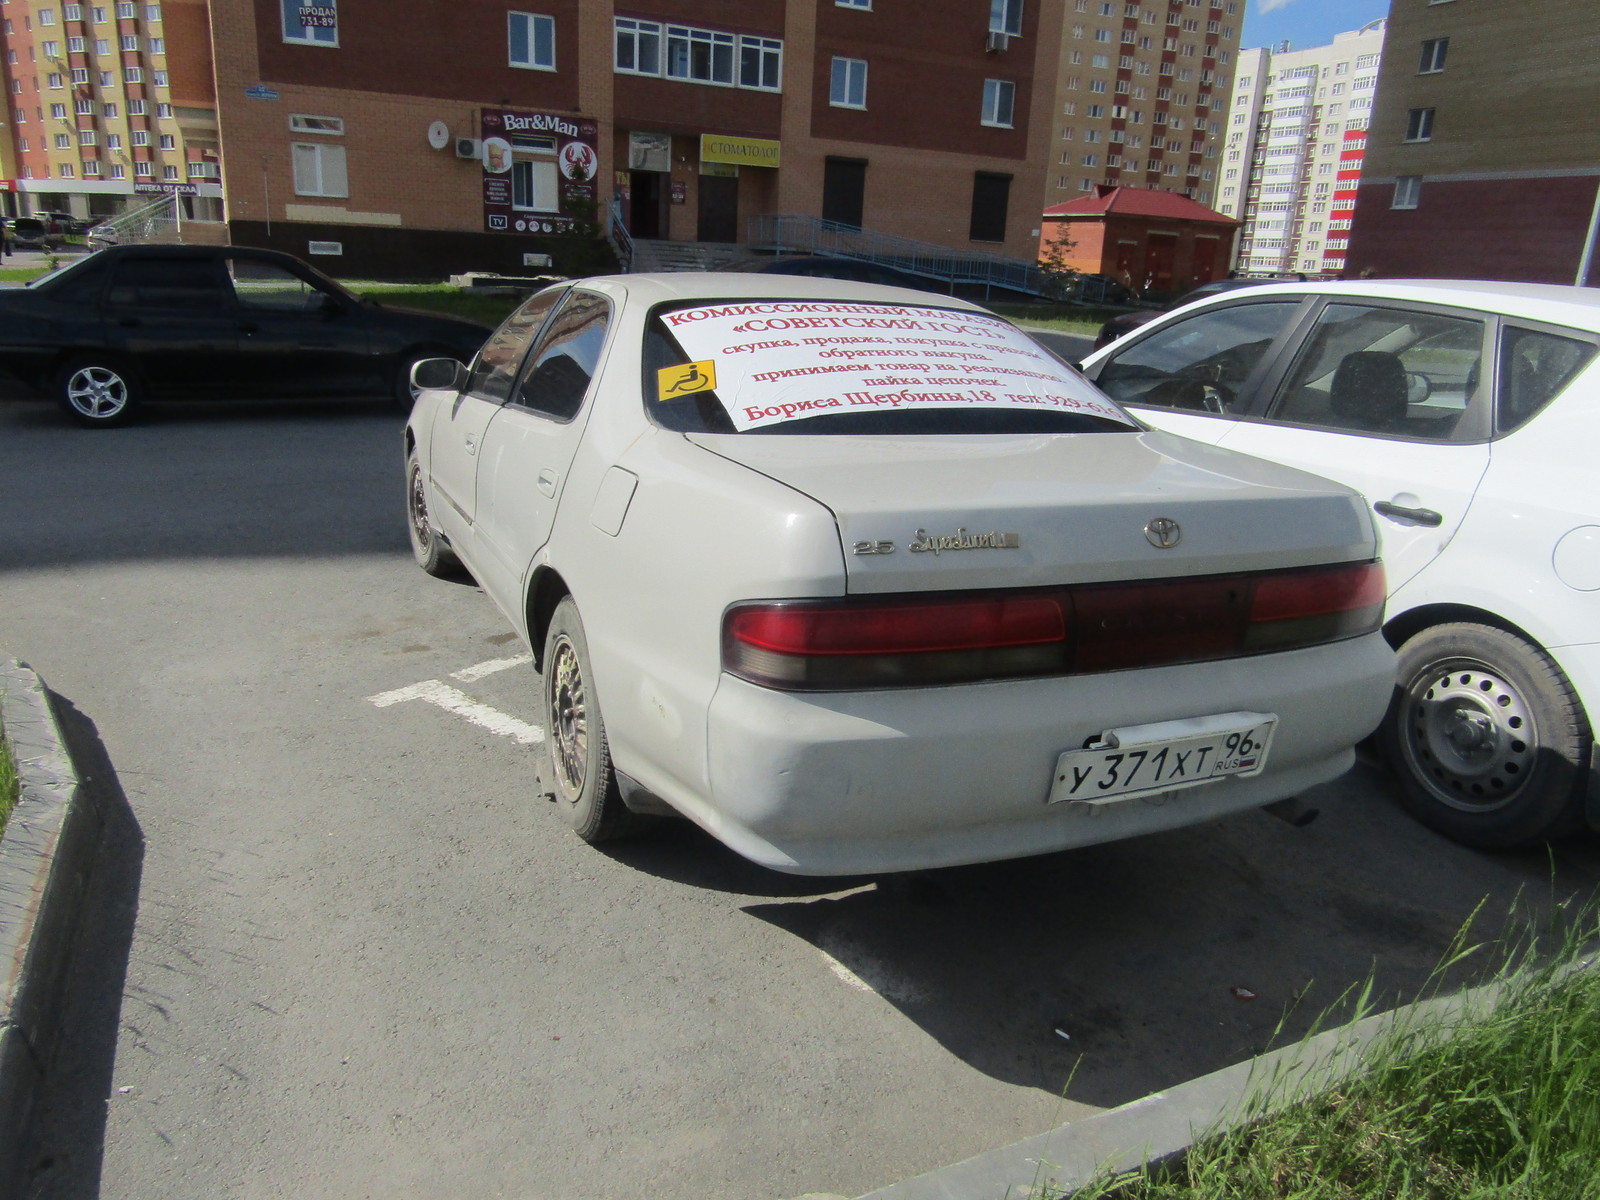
826, 367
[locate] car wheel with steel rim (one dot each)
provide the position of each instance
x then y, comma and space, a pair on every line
578, 758
428, 546
1489, 740
96, 392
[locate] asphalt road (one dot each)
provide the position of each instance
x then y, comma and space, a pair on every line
338, 949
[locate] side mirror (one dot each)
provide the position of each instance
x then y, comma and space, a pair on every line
438, 374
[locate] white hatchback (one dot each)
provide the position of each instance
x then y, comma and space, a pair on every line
863, 580
1467, 414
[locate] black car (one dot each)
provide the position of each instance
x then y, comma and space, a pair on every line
211, 322
1124, 323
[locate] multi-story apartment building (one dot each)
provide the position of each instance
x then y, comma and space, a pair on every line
1296, 134
406, 135
1140, 93
1484, 155
108, 101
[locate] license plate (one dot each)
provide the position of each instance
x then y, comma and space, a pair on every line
1137, 760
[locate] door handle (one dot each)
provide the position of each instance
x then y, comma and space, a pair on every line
547, 482
1412, 516
470, 441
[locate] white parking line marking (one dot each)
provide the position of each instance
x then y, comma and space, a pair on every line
468, 674
463, 705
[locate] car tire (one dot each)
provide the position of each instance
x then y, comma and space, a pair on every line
577, 755
1489, 741
428, 546
97, 392
405, 396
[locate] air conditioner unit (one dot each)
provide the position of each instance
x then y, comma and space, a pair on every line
468, 147
998, 40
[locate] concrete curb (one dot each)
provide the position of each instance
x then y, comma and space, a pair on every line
1161, 1127
45, 859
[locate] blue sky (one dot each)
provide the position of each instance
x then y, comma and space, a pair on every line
1305, 23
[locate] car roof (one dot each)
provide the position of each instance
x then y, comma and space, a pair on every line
1558, 304
729, 285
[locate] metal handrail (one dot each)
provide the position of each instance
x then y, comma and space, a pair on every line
782, 232
621, 240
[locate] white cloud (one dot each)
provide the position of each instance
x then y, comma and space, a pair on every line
1266, 6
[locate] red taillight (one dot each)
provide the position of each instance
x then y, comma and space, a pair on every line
835, 645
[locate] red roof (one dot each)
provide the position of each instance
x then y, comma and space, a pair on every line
1137, 202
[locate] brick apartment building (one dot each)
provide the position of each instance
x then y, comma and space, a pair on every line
1483, 158
108, 102
1140, 93
415, 136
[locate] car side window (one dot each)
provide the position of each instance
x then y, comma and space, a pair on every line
268, 287
495, 370
1534, 366
166, 283
563, 363
1201, 363
1390, 371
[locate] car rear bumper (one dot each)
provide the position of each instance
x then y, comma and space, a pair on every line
834, 784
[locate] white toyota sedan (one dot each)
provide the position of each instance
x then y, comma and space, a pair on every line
1467, 414
862, 581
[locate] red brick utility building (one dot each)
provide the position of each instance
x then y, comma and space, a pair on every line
1151, 241
415, 134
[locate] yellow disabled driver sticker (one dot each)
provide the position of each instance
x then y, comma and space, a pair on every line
686, 380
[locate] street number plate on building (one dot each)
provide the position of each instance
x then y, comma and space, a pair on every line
1138, 760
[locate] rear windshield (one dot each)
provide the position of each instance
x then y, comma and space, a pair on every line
808, 366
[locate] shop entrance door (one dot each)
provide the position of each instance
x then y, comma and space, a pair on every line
719, 209
649, 192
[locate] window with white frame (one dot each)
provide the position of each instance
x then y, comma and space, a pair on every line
80, 74
158, 45
862, 4
114, 142
47, 16
127, 10
204, 170
100, 17
164, 111
535, 175
1419, 125
83, 107
169, 142
75, 45
68, 171
129, 41
638, 46
159, 78
304, 123
52, 80
91, 166
699, 55
319, 169
107, 79
133, 74
143, 170
139, 137
63, 141
1005, 16
72, 12
152, 12
118, 171
311, 22
88, 137
532, 41
848, 88
1407, 191
136, 108
169, 172
1433, 54
761, 63
999, 99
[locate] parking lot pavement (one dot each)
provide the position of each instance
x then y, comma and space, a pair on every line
341, 947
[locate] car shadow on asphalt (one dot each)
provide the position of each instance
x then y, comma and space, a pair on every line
1110, 972
66, 1142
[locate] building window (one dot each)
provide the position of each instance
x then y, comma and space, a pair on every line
169, 142
52, 80
865, 5
159, 78
47, 16
140, 137
63, 141
118, 171
164, 111
991, 194
999, 98
88, 137
301, 123
58, 112
158, 45
204, 170
638, 47
761, 63
100, 19
133, 74
127, 10
849, 86
152, 12
143, 170
535, 178
91, 166
169, 172
80, 74
532, 40
308, 22
136, 108
75, 45
68, 170
699, 55
114, 142
102, 46
1433, 52
107, 79
129, 41
1419, 125
1005, 16
1407, 190
72, 12
319, 169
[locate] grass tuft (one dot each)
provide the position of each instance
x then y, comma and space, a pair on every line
8, 779
1502, 1103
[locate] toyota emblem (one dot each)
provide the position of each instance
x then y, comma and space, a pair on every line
1163, 533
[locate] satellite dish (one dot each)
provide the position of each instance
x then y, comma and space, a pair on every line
438, 135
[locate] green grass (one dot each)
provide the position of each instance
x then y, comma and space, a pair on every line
22, 274
440, 297
1505, 1108
1084, 319
8, 781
